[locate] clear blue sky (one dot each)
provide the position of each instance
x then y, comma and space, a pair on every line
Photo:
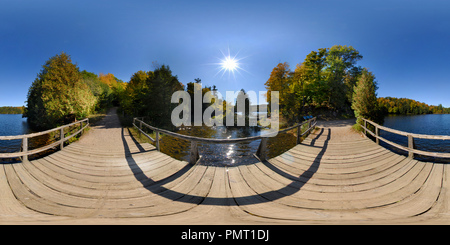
404, 43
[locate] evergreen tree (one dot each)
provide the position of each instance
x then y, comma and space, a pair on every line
58, 92
161, 85
365, 103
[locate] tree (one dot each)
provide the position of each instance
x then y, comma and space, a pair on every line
339, 61
136, 91
314, 77
324, 80
161, 85
365, 103
117, 86
280, 80
57, 93
99, 89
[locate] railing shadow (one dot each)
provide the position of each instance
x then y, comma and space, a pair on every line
151, 185
297, 181
157, 187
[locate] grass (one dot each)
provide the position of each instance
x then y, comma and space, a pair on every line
357, 127
140, 137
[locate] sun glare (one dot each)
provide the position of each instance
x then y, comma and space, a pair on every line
229, 64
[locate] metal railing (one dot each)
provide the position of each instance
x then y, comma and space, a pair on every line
411, 145
194, 155
25, 152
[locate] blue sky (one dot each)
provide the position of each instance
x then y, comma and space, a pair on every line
404, 43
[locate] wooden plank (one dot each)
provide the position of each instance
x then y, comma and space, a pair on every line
11, 209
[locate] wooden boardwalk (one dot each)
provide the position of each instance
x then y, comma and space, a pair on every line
323, 180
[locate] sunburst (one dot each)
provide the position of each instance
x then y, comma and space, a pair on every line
229, 64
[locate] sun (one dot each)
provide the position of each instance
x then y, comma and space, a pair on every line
230, 64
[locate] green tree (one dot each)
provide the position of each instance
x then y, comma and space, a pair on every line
161, 85
56, 93
339, 61
324, 80
365, 103
136, 91
99, 89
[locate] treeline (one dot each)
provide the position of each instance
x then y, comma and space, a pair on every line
328, 80
403, 106
323, 82
62, 93
11, 110
149, 94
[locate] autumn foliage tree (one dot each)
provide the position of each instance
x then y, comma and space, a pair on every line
117, 86
280, 80
11, 110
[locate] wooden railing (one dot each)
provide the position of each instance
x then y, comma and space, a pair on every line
194, 155
25, 152
411, 145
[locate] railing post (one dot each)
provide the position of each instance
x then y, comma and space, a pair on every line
25, 149
365, 127
157, 141
140, 127
377, 134
410, 146
299, 132
194, 153
81, 126
261, 152
61, 145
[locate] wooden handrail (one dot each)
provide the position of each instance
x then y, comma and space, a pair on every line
194, 156
411, 146
25, 152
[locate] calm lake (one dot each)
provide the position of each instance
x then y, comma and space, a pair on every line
227, 154
12, 124
431, 124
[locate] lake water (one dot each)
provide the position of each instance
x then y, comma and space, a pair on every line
430, 124
227, 154
12, 124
